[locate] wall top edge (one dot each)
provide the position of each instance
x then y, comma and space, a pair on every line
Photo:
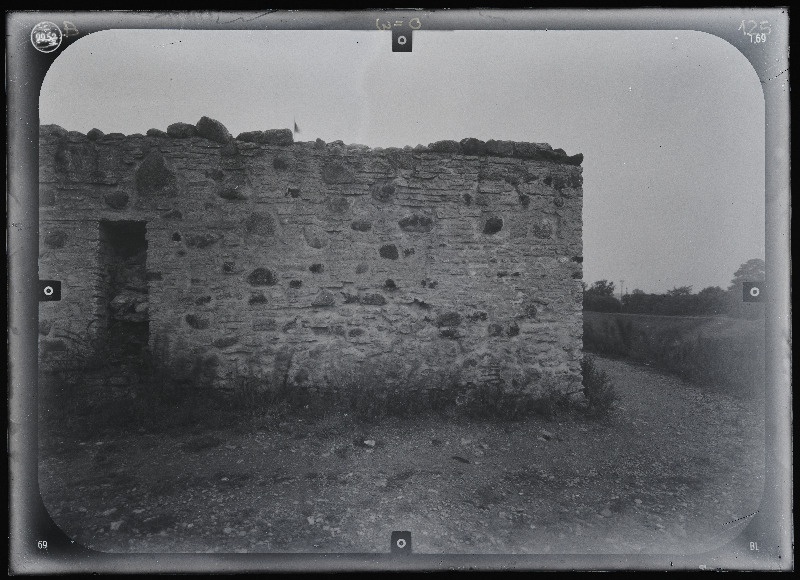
210, 130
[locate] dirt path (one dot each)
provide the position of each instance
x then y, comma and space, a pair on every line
667, 473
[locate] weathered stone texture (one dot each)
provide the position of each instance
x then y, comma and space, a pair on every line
213, 130
181, 130
275, 258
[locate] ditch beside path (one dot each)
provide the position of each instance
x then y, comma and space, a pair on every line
670, 472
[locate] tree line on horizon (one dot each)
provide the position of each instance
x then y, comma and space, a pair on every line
679, 301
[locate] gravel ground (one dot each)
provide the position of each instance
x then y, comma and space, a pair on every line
671, 471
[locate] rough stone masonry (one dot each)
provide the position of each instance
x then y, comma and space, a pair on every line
303, 264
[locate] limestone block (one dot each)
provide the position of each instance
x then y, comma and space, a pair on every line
472, 146
197, 322
337, 172
389, 251
373, 299
500, 148
212, 130
446, 146
492, 225
262, 277
324, 298
361, 225
315, 237
416, 223
153, 177
181, 130
234, 189
282, 137
55, 239
116, 199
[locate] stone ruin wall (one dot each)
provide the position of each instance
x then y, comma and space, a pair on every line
308, 263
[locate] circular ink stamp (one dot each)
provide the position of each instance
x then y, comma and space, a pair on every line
46, 37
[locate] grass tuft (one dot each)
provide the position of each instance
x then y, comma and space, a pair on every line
181, 396
598, 389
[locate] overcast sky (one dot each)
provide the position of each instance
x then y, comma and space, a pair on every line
671, 124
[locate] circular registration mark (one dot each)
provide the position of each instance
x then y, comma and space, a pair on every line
46, 37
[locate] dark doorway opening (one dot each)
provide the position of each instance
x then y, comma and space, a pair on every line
124, 305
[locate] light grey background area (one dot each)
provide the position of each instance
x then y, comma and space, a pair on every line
671, 123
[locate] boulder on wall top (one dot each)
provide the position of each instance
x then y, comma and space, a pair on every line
213, 130
268, 137
181, 130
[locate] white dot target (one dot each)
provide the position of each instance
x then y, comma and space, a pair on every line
401, 40
401, 543
755, 291
48, 290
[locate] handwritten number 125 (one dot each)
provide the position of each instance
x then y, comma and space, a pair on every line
757, 31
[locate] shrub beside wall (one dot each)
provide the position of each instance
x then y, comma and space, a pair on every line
714, 350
